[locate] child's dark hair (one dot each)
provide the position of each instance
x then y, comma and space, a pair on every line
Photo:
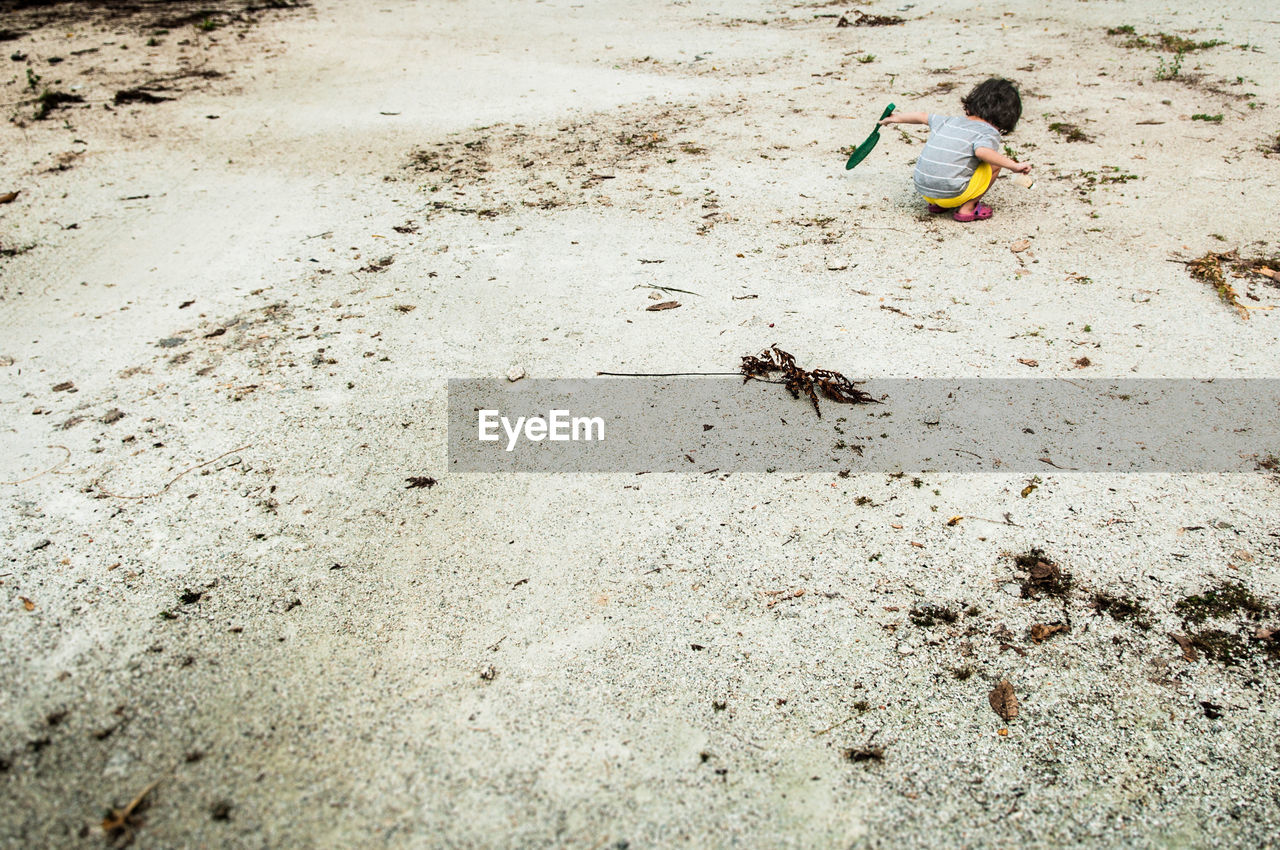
995, 101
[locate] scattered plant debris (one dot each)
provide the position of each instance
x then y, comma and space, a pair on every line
138, 95
662, 305
50, 101
1119, 608
833, 385
120, 825
1188, 648
927, 616
1043, 576
865, 20
1070, 132
1225, 601
420, 481
1211, 268
378, 265
861, 754
1212, 119
1162, 41
1221, 646
1004, 702
1041, 632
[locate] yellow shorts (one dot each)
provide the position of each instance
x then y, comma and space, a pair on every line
978, 183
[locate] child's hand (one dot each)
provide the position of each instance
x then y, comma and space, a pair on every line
1021, 168
892, 119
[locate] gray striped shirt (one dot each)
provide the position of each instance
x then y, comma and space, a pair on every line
949, 157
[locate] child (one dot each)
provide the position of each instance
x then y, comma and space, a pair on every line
962, 159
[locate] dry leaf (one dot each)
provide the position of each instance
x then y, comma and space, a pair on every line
1026, 361
1020, 246
1040, 632
1082, 363
1184, 643
1028, 490
662, 305
955, 520
1262, 270
27, 603
8, 197
120, 824
1003, 700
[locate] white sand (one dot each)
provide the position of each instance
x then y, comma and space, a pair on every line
330, 673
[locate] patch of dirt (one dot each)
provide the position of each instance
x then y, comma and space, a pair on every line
139, 14
492, 171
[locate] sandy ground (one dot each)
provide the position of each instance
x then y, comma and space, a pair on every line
229, 591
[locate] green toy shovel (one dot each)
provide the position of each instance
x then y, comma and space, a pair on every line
865, 148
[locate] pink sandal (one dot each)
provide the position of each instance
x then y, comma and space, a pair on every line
934, 208
981, 212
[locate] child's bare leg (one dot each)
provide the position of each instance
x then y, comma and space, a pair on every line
968, 207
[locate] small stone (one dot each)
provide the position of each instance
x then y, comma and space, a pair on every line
115, 414
515, 373
906, 649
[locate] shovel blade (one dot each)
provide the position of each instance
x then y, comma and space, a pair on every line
863, 149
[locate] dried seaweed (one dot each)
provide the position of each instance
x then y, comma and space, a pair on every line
865, 20
800, 382
1212, 267
138, 95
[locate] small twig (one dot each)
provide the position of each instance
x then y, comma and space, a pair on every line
665, 288
794, 594
835, 726
1005, 521
53, 468
166, 487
